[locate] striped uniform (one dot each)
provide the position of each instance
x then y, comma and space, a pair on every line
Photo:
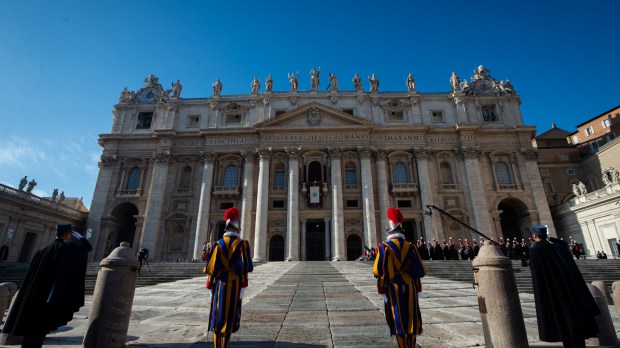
398, 269
228, 265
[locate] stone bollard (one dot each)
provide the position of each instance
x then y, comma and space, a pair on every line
498, 299
7, 338
110, 311
615, 287
601, 286
12, 291
606, 332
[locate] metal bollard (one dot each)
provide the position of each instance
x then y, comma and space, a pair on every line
498, 300
108, 319
606, 332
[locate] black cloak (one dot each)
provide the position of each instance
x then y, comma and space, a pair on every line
52, 290
565, 309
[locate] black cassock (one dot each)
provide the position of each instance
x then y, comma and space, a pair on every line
52, 290
565, 309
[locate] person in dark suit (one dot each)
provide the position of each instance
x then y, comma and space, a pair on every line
52, 290
565, 309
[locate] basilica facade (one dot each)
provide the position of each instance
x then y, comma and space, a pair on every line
314, 171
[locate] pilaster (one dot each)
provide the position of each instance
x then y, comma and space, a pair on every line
292, 218
382, 190
152, 218
262, 205
481, 214
368, 197
335, 155
248, 193
204, 205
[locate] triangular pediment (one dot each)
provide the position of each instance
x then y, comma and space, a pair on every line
314, 115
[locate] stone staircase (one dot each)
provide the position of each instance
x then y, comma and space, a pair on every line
161, 272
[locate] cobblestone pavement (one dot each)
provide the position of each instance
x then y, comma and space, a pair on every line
301, 304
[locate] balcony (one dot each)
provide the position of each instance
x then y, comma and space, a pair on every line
408, 189
508, 187
351, 187
183, 191
128, 193
226, 191
449, 187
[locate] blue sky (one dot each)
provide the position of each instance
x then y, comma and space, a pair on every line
64, 63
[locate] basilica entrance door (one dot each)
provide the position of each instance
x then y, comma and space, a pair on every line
354, 247
315, 240
276, 248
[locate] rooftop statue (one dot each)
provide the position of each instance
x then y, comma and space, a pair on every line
357, 83
255, 85
217, 88
374, 83
268, 84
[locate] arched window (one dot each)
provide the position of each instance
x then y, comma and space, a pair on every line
134, 179
230, 176
400, 173
350, 174
315, 172
446, 173
503, 173
186, 177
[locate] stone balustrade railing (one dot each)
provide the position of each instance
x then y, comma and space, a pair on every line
40, 201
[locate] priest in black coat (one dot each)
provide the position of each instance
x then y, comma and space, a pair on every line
565, 309
52, 290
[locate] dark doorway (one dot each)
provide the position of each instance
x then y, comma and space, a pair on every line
514, 218
219, 231
410, 232
315, 172
125, 223
354, 247
315, 240
24, 255
276, 248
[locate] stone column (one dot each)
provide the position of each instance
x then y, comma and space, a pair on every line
327, 238
335, 155
481, 214
535, 186
247, 198
422, 155
97, 207
303, 240
418, 226
382, 190
108, 320
368, 197
262, 206
498, 299
204, 205
152, 218
292, 215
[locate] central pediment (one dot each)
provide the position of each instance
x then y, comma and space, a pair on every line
314, 115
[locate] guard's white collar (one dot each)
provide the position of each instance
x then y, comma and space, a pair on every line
396, 235
231, 234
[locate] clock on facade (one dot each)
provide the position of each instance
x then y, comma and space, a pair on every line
484, 87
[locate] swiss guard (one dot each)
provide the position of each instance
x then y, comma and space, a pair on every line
228, 263
398, 269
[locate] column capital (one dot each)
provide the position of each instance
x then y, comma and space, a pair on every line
293, 152
529, 154
422, 152
380, 154
248, 156
468, 152
207, 157
162, 156
107, 160
364, 151
264, 153
334, 152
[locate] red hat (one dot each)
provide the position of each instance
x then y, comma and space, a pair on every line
395, 219
232, 218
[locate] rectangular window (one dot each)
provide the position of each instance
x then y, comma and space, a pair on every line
193, 121
589, 131
437, 116
489, 114
352, 203
280, 112
575, 139
278, 178
594, 146
233, 118
606, 123
348, 111
395, 116
549, 187
570, 171
277, 204
564, 157
226, 205
144, 120
350, 177
404, 204
610, 136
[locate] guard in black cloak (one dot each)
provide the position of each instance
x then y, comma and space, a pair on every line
438, 252
52, 290
446, 250
565, 309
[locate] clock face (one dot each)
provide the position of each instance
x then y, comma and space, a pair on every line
148, 96
484, 87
